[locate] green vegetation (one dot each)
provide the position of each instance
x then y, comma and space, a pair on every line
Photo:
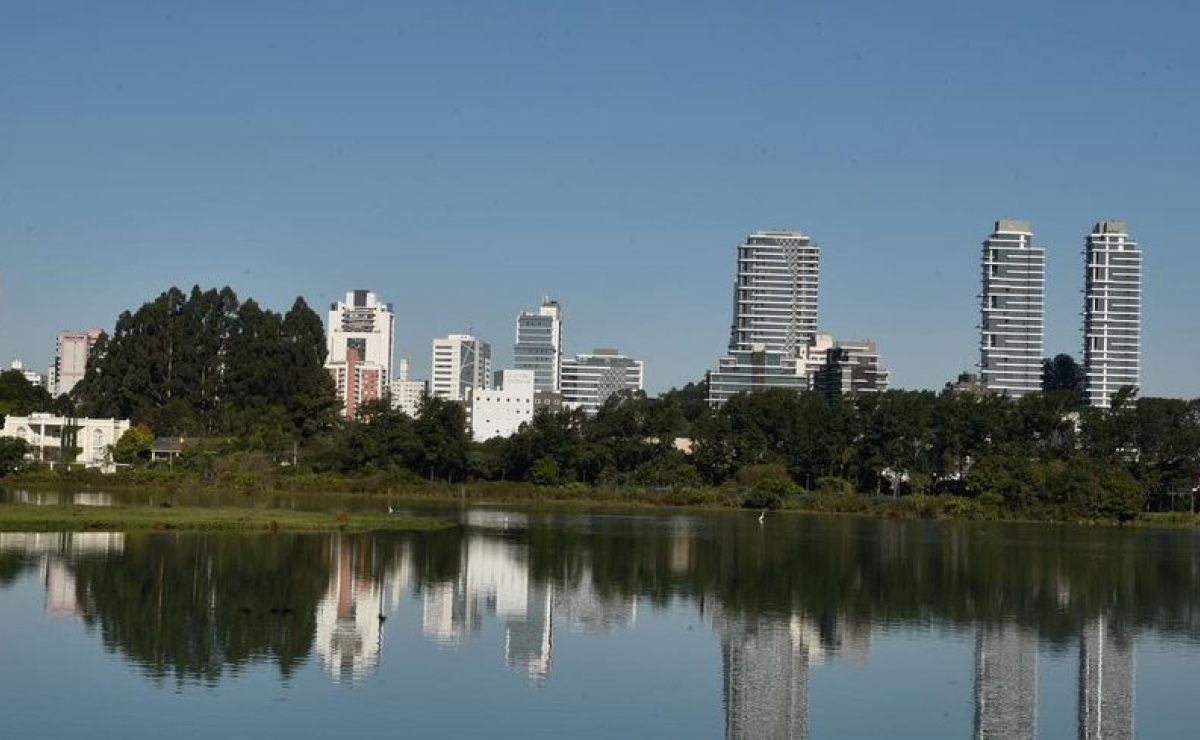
247, 389
22, 518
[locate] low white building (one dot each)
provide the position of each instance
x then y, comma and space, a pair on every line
501, 410
28, 374
47, 435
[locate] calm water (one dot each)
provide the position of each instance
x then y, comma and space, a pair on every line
605, 625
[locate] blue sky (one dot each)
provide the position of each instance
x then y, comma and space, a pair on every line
465, 159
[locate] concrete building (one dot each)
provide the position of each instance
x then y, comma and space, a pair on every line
1112, 312
851, 368
51, 437
501, 410
70, 360
1011, 310
774, 314
408, 393
539, 345
589, 379
461, 363
29, 375
361, 338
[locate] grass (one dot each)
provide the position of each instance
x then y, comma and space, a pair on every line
23, 518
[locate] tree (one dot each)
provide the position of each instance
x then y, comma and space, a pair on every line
134, 446
1063, 373
19, 397
12, 454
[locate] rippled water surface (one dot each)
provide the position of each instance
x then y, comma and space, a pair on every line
604, 625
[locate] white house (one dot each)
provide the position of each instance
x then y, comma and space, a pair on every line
44, 435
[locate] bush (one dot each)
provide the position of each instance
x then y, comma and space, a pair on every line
831, 485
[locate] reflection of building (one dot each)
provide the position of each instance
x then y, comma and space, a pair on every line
349, 631
591, 611
1106, 675
765, 676
56, 551
1005, 683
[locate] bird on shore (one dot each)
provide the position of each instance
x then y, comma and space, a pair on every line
390, 510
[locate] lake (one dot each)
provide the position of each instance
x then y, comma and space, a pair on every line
604, 624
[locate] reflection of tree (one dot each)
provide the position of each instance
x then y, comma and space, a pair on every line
193, 606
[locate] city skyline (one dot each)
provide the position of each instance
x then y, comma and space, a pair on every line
149, 148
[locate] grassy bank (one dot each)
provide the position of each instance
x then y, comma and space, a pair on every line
24, 518
292, 490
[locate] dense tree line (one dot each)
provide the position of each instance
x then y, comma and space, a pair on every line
206, 363
1042, 450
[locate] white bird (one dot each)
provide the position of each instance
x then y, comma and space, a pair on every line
761, 515
390, 510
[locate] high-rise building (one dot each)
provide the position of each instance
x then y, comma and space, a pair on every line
1011, 307
408, 393
851, 368
461, 362
70, 360
589, 379
774, 314
361, 338
1112, 312
539, 345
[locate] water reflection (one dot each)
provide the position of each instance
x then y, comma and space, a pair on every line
780, 603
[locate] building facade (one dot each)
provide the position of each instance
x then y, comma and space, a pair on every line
408, 393
1112, 312
774, 314
589, 379
539, 345
500, 411
71, 352
851, 368
461, 363
30, 376
52, 438
361, 333
1012, 310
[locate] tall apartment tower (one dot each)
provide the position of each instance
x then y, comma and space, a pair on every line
1012, 310
461, 363
1112, 312
71, 352
539, 345
361, 340
774, 314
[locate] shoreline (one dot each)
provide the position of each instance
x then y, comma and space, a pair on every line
250, 497
125, 518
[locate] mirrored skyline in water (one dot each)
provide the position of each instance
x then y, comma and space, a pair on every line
510, 584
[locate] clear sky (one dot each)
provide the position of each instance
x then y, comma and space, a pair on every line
465, 159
